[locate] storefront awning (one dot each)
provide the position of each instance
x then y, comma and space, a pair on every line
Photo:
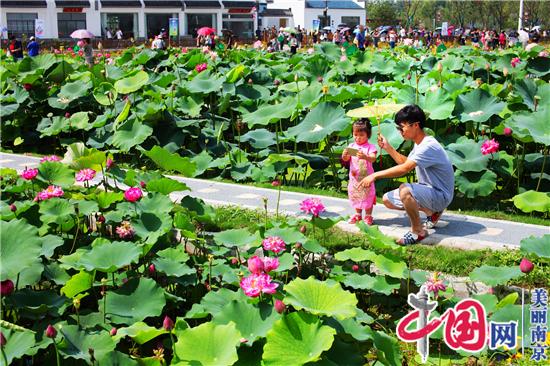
239, 4
202, 4
23, 4
72, 4
163, 3
121, 3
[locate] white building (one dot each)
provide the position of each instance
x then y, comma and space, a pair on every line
338, 12
135, 18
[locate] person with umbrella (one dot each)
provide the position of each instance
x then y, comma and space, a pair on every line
86, 47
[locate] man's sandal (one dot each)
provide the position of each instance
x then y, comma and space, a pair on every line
432, 220
411, 238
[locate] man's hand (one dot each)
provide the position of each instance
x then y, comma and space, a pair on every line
367, 181
382, 142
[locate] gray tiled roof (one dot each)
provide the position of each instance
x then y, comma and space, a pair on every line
332, 4
23, 4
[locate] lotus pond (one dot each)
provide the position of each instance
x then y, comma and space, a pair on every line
122, 270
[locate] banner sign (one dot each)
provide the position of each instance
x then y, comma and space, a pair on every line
173, 22
39, 26
316, 24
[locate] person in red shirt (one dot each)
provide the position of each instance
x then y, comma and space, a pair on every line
16, 48
502, 39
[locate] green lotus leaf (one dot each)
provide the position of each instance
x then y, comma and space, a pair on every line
539, 246
140, 332
166, 186
478, 106
390, 265
213, 302
75, 90
530, 201
76, 343
388, 130
270, 113
312, 245
18, 254
296, 339
475, 184
132, 83
171, 161
36, 304
60, 72
387, 349
49, 243
123, 115
78, 283
171, 261
78, 157
259, 138
282, 158
241, 171
205, 83
466, 155
19, 342
513, 312
208, 344
438, 105
9, 109
252, 321
235, 73
156, 203
110, 256
353, 327
236, 238
106, 199
453, 63
55, 173
527, 89
130, 134
494, 276
375, 283
355, 254
320, 298
152, 225
105, 94
189, 105
202, 162
144, 56
320, 122
290, 235
529, 126
376, 238
294, 86
382, 65
134, 301
539, 66
252, 92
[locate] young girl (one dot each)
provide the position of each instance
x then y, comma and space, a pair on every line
360, 167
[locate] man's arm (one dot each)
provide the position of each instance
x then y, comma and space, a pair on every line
384, 144
396, 171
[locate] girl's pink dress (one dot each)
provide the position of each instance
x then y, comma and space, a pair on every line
361, 198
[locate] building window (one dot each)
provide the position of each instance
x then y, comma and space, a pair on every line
351, 21
69, 22
20, 24
196, 21
126, 22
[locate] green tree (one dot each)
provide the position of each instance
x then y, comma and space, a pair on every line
381, 12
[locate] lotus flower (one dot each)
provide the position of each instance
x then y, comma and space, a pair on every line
133, 194
270, 264
6, 287
3, 340
435, 284
275, 183
56, 51
355, 268
526, 266
543, 54
29, 174
343, 58
184, 50
255, 284
113, 331
51, 332
50, 192
310, 51
168, 324
201, 67
85, 175
255, 265
515, 61
81, 53
152, 269
50, 158
274, 244
100, 55
507, 131
489, 147
109, 163
125, 230
257, 44
370, 81
27, 86
279, 306
107, 55
80, 43
313, 206
13, 208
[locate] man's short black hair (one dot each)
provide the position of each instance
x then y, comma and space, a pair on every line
411, 114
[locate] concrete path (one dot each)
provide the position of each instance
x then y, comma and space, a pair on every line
453, 230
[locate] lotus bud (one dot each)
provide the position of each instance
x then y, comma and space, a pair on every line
152, 269
250, 82
320, 79
408, 76
439, 67
487, 67
276, 82
370, 81
51, 332
142, 184
76, 303
168, 324
101, 219
3, 340
99, 46
234, 261
113, 332
479, 82
67, 115
279, 306
275, 183
6, 287
526, 265
13, 208
296, 78
27, 86
507, 131
298, 245
303, 229
505, 71
482, 132
355, 268
243, 340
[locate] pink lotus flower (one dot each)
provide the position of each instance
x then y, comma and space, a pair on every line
313, 206
109, 163
107, 55
515, 61
213, 56
168, 324
125, 230
80, 43
343, 58
70, 49
274, 244
67, 115
255, 265
99, 55
489, 147
184, 50
56, 51
133, 194
205, 49
85, 175
526, 265
257, 44
310, 51
279, 306
152, 269
13, 207
29, 174
270, 264
255, 284
201, 67
50, 158
543, 54
355, 268
507, 131
435, 284
81, 53
6, 287
50, 192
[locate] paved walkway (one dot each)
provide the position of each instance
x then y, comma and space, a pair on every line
453, 230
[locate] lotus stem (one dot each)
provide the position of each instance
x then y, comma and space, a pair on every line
542, 170
56, 353
279, 199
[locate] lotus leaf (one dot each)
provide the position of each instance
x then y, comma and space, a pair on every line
213, 302
376, 238
140, 332
132, 83
78, 283
133, 302
152, 225
130, 134
105, 94
13, 262
56, 173
75, 90
466, 155
235, 73
110, 256
166, 186
76, 343
259, 138
355, 254
205, 83
539, 66
438, 105
387, 349
530, 201
49, 243
269, 113
56, 210
531, 126
106, 199
294, 87
37, 304
539, 246
377, 283
19, 342
477, 106
375, 111
320, 122
296, 339
123, 115
320, 298
288, 234
494, 276
169, 161
235, 238
475, 184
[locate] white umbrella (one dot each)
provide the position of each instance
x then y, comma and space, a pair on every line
82, 33
327, 28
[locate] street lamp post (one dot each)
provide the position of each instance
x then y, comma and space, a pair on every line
325, 15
